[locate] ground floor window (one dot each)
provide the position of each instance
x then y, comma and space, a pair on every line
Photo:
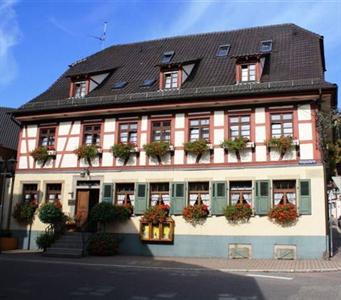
241, 192
30, 192
125, 193
54, 193
199, 193
159, 193
284, 191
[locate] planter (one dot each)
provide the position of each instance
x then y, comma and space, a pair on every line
8, 243
161, 233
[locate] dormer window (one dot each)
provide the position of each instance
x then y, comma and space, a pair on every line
266, 46
167, 57
80, 88
223, 50
171, 80
248, 72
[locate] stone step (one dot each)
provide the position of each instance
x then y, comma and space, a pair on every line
64, 252
64, 244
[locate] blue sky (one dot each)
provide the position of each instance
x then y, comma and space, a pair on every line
40, 38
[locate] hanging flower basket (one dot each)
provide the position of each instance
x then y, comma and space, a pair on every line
235, 145
42, 154
123, 151
195, 214
156, 214
284, 214
87, 152
197, 148
239, 213
282, 144
157, 149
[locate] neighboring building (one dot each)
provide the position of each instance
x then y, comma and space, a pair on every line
9, 133
256, 83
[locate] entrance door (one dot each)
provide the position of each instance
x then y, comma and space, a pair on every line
82, 210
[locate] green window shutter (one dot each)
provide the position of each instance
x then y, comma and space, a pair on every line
107, 192
263, 197
305, 197
178, 197
219, 197
141, 197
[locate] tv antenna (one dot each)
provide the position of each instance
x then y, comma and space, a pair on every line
102, 37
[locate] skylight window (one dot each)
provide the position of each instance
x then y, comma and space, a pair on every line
223, 50
148, 82
266, 46
167, 57
119, 85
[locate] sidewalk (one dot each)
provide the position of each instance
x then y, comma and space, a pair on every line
184, 263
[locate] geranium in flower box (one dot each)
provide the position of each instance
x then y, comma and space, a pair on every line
195, 214
284, 214
156, 214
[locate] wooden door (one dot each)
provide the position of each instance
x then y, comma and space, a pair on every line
82, 211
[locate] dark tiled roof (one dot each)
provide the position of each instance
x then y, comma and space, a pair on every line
295, 56
9, 130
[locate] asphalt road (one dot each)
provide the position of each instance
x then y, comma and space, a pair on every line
33, 280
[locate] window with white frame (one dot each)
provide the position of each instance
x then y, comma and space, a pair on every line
125, 194
239, 127
171, 80
92, 134
161, 131
241, 192
159, 193
284, 191
199, 193
128, 133
281, 125
199, 129
47, 137
248, 72
79, 89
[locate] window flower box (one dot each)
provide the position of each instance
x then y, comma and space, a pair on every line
162, 232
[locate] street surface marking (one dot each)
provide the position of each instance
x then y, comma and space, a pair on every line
269, 276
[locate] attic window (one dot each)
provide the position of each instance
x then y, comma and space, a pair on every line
79, 89
148, 82
167, 57
119, 85
223, 50
266, 46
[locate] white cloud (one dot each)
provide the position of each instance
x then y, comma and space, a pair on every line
9, 37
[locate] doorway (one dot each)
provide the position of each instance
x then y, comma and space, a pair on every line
85, 201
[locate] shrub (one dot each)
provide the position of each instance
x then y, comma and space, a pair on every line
238, 213
87, 152
122, 150
103, 213
282, 144
50, 214
123, 212
24, 212
236, 145
284, 214
40, 154
102, 244
45, 240
157, 149
197, 148
195, 213
156, 214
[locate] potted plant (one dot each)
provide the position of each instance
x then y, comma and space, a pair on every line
49, 213
157, 149
156, 214
45, 240
281, 144
7, 241
284, 214
237, 145
103, 213
241, 212
198, 148
195, 214
123, 151
87, 152
42, 155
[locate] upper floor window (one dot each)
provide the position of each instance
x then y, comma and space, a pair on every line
266, 46
171, 80
281, 125
199, 129
284, 191
223, 50
92, 134
30, 192
161, 131
239, 127
80, 89
47, 137
128, 133
248, 72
